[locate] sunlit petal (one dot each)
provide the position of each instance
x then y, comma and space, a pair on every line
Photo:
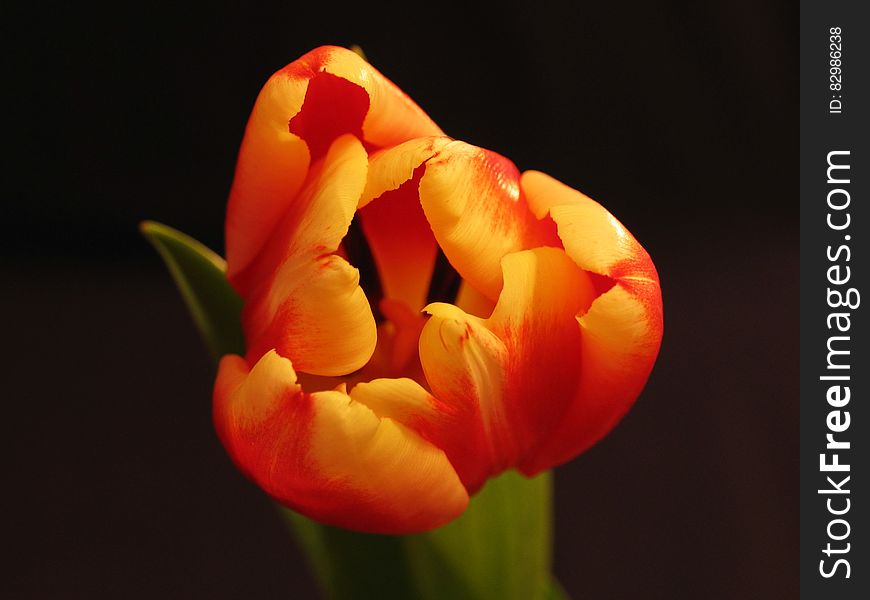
507, 379
329, 456
300, 111
622, 330
474, 205
308, 303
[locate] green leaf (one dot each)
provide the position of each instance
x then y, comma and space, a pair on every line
557, 592
349, 565
500, 549
200, 276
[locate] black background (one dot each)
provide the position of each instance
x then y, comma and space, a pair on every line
682, 118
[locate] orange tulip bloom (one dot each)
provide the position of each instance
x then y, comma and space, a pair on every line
386, 421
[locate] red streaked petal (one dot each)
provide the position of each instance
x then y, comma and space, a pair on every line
622, 330
300, 111
621, 335
315, 313
402, 244
508, 379
271, 168
307, 303
392, 219
258, 413
320, 215
333, 107
592, 236
392, 117
463, 363
390, 168
473, 202
329, 456
402, 399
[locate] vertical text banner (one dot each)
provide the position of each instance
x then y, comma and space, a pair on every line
835, 299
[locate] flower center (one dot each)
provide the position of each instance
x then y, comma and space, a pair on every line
443, 284
399, 324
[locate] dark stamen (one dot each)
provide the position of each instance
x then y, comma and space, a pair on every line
445, 281
359, 254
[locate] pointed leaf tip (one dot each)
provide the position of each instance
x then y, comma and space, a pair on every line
200, 276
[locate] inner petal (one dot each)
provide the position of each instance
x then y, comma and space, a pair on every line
308, 304
326, 93
329, 456
402, 243
476, 209
507, 380
395, 354
333, 106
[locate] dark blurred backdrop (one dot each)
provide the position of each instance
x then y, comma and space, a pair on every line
680, 117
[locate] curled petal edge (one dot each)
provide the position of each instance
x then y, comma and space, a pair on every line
308, 303
621, 331
328, 455
275, 156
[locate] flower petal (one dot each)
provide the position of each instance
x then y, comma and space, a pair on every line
392, 167
622, 330
589, 233
473, 202
506, 380
300, 111
392, 219
329, 456
403, 400
271, 168
473, 208
308, 303
473, 302
392, 117
402, 244
316, 314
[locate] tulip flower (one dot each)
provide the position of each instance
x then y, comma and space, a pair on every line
376, 392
